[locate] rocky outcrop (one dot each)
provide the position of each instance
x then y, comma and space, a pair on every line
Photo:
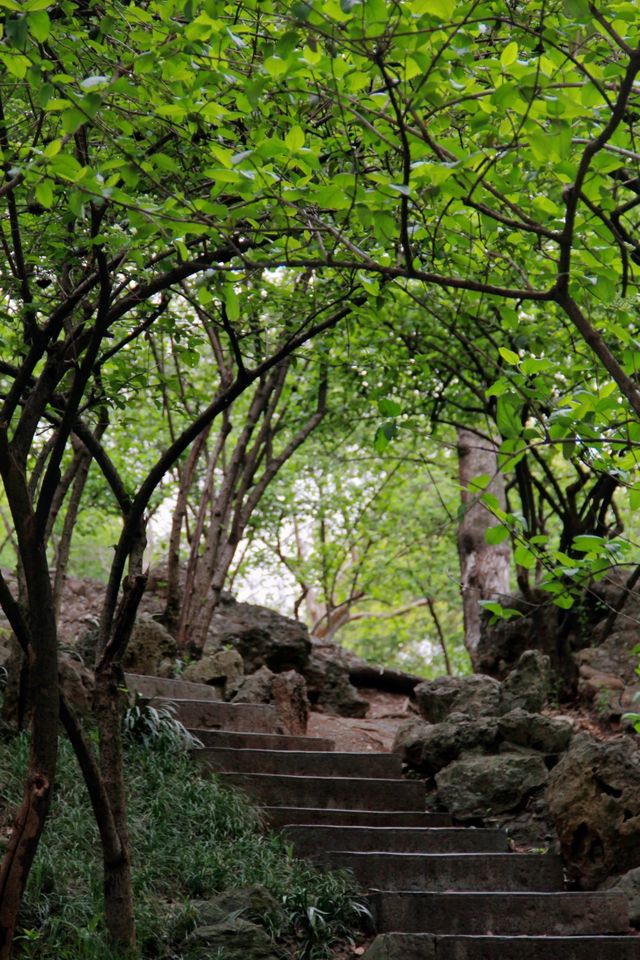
484, 786
286, 691
151, 649
261, 636
329, 686
474, 696
223, 670
594, 799
526, 687
482, 753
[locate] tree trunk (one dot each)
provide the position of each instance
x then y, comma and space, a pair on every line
484, 569
43, 684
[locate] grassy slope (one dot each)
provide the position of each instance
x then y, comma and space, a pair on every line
190, 837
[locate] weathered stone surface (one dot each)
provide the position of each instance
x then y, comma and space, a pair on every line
330, 689
629, 886
232, 938
482, 786
594, 799
535, 731
261, 636
77, 683
476, 696
151, 649
223, 669
527, 686
289, 693
429, 748
255, 688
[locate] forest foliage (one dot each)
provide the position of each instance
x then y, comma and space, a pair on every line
229, 229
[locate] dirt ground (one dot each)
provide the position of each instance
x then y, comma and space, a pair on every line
374, 733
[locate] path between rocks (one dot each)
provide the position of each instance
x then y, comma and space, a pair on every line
374, 733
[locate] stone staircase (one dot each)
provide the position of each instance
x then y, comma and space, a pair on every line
436, 891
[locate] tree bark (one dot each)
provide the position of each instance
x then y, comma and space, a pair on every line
484, 569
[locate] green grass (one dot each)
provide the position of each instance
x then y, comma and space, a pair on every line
190, 838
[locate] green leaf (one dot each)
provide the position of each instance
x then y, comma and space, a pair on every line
508, 416
524, 556
495, 535
389, 408
384, 435
509, 355
232, 303
442, 9
510, 54
44, 193
295, 138
39, 25
588, 544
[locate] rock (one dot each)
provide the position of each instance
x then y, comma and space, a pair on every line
629, 885
330, 689
527, 686
476, 696
232, 938
151, 649
289, 693
251, 903
223, 669
261, 636
429, 748
549, 735
594, 799
402, 946
484, 786
77, 684
255, 688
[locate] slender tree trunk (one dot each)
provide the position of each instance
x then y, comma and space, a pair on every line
484, 569
43, 682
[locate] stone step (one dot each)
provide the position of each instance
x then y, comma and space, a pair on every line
259, 741
551, 914
170, 689
439, 873
385, 766
350, 793
217, 715
402, 946
283, 816
314, 839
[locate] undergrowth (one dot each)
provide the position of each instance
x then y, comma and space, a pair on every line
190, 838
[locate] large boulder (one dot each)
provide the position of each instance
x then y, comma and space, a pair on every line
257, 687
527, 686
261, 636
535, 731
475, 696
482, 786
429, 748
594, 799
223, 670
330, 689
151, 649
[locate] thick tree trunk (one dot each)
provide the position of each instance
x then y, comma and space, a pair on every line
484, 569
